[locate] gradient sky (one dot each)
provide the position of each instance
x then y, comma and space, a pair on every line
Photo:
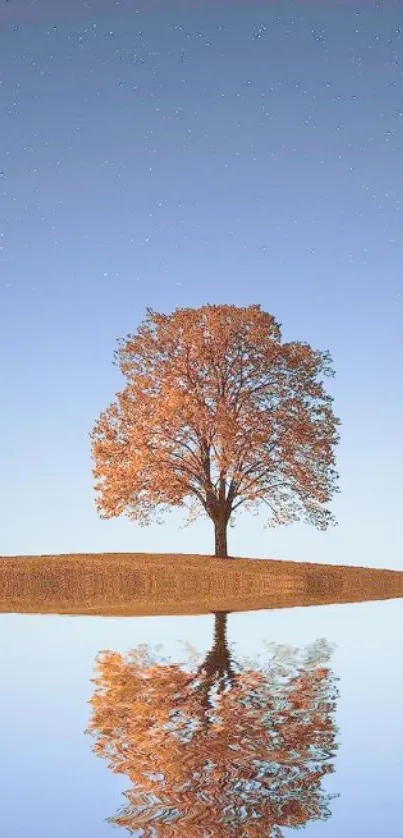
176, 154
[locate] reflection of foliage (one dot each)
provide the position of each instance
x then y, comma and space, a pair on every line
229, 749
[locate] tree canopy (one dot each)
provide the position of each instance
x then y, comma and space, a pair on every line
217, 413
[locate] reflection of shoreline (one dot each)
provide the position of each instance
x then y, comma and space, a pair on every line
140, 584
230, 745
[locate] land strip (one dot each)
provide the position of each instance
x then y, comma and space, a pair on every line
140, 584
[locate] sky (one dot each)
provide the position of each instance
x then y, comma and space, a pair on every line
177, 154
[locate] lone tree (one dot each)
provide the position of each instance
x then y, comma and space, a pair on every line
217, 413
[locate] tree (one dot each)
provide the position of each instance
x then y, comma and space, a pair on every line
228, 748
217, 413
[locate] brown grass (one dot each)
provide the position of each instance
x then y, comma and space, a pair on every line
130, 584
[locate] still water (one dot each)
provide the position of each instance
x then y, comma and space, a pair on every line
243, 724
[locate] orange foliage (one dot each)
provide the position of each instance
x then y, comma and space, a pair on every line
217, 413
248, 761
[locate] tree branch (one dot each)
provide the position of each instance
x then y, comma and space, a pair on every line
261, 497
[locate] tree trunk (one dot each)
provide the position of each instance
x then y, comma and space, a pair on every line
220, 533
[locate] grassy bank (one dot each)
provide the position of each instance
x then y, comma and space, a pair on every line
146, 583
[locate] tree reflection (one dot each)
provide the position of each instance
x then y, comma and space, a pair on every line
222, 748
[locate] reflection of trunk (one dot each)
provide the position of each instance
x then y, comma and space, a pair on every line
216, 669
220, 647
217, 661
220, 533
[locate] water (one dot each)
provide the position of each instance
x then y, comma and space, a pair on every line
340, 717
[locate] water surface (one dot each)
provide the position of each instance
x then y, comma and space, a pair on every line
292, 716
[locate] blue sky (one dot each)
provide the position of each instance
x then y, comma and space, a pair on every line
173, 156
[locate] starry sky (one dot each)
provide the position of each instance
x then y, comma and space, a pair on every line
171, 154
